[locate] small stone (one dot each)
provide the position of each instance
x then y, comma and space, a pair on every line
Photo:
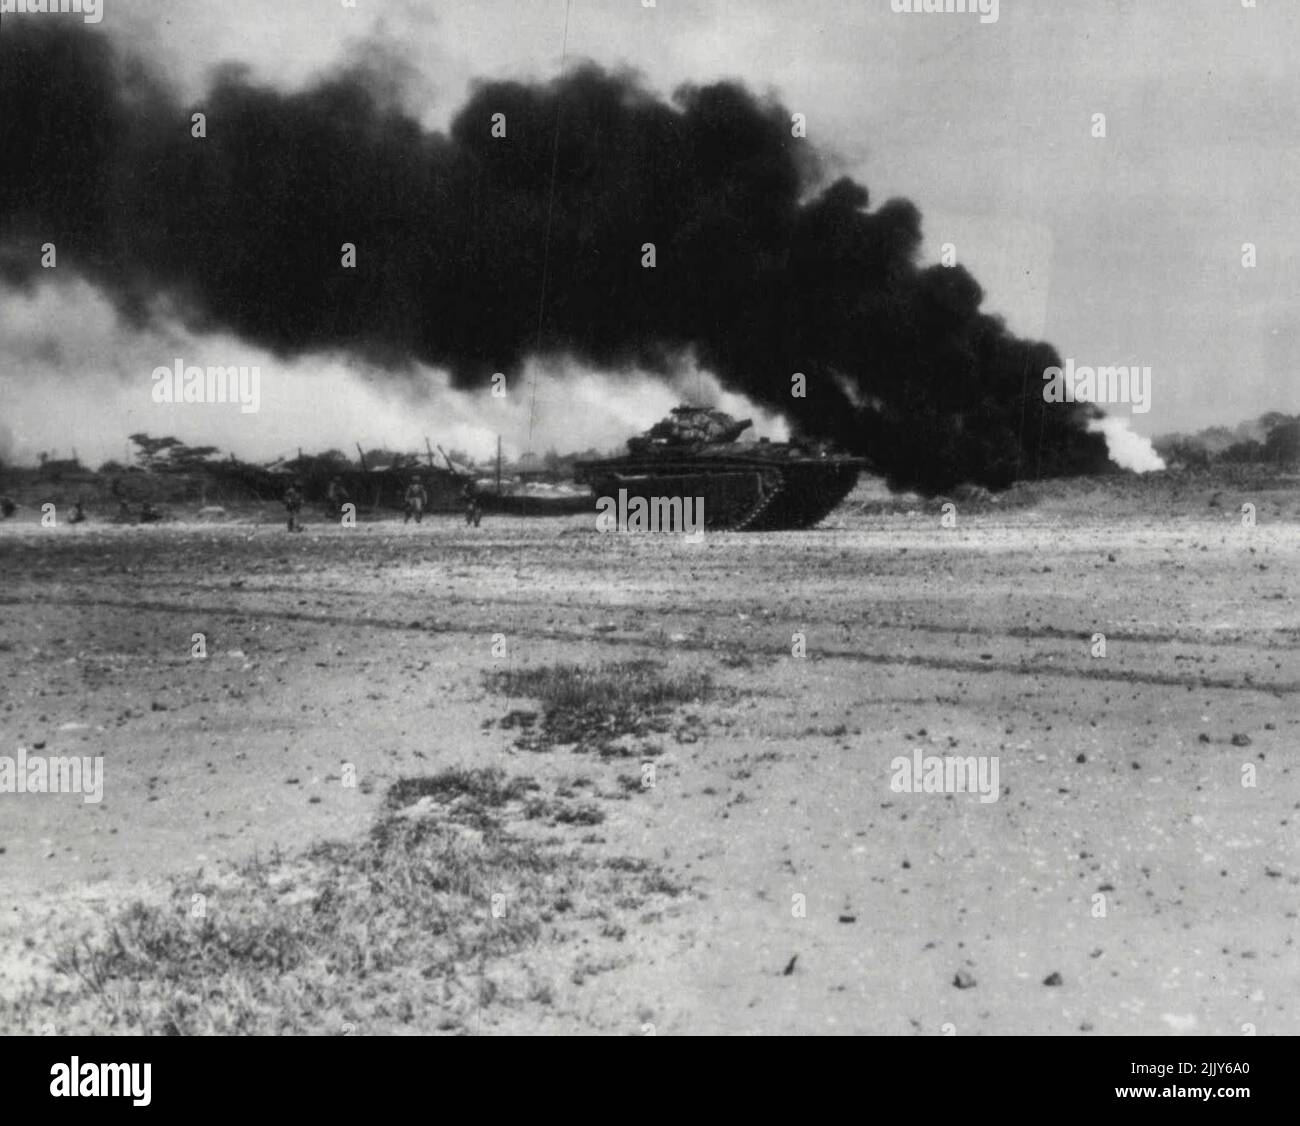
1053, 979
963, 980
1202, 738
1080, 757
1240, 740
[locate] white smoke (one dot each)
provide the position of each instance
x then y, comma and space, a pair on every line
1125, 448
84, 382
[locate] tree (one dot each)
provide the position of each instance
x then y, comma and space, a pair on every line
152, 450
1244, 452
183, 458
1282, 446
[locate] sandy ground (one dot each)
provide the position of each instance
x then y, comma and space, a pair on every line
1120, 775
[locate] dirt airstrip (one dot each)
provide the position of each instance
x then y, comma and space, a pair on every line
1137, 873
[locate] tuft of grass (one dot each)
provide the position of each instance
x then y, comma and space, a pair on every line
591, 706
476, 794
394, 932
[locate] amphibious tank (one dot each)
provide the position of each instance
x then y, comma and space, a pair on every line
753, 486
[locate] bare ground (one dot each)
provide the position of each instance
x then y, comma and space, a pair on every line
375, 648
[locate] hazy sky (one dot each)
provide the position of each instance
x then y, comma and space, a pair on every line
1126, 249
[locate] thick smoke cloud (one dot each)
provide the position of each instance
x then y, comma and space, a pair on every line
475, 251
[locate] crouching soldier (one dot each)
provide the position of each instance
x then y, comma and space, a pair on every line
416, 499
293, 505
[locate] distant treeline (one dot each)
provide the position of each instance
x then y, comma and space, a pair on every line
1271, 439
166, 471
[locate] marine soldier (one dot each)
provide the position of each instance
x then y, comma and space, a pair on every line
473, 509
337, 494
293, 505
416, 499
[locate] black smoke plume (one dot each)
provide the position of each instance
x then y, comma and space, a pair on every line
475, 252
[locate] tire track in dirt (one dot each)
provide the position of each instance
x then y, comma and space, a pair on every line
949, 664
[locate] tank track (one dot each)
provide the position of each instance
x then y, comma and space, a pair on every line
783, 498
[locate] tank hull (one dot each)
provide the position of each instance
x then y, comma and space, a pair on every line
739, 493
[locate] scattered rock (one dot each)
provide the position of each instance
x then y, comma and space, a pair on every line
789, 966
1053, 979
963, 980
1240, 740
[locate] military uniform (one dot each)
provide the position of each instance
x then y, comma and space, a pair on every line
293, 504
473, 509
416, 499
337, 496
